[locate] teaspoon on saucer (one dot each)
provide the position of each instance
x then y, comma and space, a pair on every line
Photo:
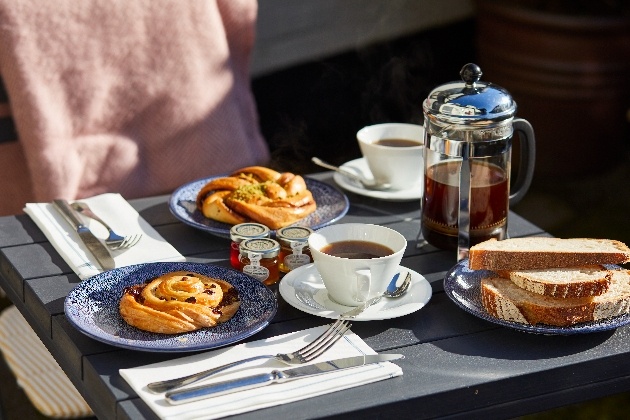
366, 183
391, 292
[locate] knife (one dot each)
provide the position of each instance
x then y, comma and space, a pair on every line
92, 243
275, 376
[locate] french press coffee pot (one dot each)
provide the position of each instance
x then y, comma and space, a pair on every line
469, 128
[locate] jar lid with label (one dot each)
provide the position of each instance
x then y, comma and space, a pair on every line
267, 248
242, 231
291, 234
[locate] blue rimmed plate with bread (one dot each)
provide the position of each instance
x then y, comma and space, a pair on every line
545, 285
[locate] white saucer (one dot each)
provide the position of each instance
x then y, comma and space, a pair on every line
304, 289
360, 167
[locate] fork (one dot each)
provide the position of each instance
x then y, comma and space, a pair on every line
114, 241
304, 355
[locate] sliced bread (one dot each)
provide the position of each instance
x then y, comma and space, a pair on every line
563, 282
543, 253
503, 299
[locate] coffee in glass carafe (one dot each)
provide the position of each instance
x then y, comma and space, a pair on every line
469, 128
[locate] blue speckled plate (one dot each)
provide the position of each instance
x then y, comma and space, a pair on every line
92, 307
462, 285
332, 205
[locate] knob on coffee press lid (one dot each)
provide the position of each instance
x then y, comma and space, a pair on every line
469, 102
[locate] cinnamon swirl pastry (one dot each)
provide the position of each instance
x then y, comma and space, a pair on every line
257, 194
178, 302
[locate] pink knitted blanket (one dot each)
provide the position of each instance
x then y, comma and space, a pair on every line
136, 97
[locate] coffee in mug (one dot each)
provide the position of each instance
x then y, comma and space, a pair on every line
398, 143
356, 249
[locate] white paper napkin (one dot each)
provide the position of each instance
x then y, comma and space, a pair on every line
122, 218
267, 396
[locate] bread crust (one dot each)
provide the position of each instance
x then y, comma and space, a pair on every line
542, 253
178, 302
257, 194
503, 299
562, 282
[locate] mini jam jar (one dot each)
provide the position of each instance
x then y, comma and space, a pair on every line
259, 259
241, 232
294, 250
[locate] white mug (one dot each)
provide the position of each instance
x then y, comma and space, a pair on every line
351, 281
401, 167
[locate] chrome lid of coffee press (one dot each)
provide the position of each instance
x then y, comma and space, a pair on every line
469, 102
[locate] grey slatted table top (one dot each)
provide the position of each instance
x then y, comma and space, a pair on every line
456, 365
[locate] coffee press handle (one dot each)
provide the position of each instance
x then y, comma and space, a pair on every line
527, 160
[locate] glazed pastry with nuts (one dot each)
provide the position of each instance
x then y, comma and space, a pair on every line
257, 194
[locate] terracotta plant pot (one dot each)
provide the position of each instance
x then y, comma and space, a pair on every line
570, 77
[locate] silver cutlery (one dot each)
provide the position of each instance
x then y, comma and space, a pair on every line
370, 184
304, 355
114, 240
391, 292
92, 243
275, 376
